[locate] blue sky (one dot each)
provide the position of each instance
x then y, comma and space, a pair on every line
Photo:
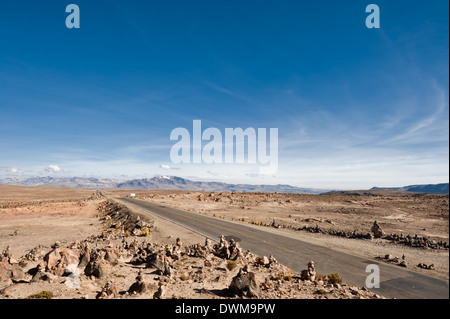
355, 107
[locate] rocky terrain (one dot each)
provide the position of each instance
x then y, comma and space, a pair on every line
409, 220
414, 226
73, 243
121, 261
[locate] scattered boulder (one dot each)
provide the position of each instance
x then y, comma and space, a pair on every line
34, 254
263, 261
245, 284
109, 290
272, 260
39, 273
6, 255
425, 266
60, 258
208, 244
156, 260
84, 260
138, 287
10, 272
395, 260
111, 256
99, 269
198, 251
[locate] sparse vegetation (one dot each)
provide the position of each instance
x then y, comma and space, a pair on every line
183, 277
334, 278
287, 277
321, 277
145, 232
231, 264
322, 291
283, 276
41, 295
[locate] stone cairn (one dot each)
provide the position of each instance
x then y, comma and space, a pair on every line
376, 230
310, 273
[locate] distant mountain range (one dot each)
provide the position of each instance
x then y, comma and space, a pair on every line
412, 190
155, 183
74, 182
429, 188
178, 183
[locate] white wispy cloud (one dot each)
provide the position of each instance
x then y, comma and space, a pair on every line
428, 128
168, 167
11, 170
53, 168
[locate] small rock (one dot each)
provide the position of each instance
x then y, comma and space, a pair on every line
264, 261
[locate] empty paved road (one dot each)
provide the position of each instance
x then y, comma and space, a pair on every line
396, 282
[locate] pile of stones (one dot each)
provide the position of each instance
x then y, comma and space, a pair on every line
395, 260
376, 232
417, 241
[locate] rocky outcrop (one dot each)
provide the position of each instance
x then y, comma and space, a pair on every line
59, 259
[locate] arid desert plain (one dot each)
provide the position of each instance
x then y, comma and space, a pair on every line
122, 253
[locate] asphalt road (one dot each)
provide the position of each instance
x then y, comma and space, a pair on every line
395, 282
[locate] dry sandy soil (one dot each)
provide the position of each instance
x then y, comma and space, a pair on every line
21, 195
395, 212
44, 215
